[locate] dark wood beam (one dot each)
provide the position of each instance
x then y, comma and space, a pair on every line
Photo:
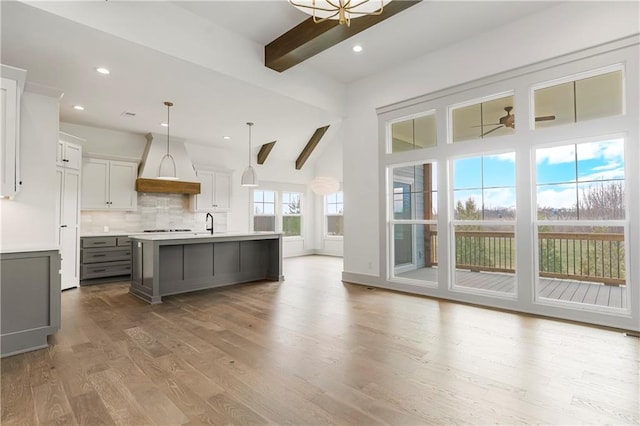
308, 38
264, 152
313, 142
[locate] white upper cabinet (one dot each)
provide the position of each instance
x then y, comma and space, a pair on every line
109, 184
69, 155
10, 94
215, 191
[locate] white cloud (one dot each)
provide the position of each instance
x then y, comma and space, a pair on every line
500, 198
558, 197
509, 156
556, 155
610, 151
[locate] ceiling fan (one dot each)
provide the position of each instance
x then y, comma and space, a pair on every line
510, 121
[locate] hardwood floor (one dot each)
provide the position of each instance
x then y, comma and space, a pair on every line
312, 350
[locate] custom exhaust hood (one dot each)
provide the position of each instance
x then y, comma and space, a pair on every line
187, 182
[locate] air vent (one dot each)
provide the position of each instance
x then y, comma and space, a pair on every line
128, 114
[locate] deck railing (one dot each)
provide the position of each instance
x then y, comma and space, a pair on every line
594, 257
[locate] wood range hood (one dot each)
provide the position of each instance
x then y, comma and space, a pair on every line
187, 182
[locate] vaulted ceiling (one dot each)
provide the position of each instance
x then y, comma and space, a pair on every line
208, 58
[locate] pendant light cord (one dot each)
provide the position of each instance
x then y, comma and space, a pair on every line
250, 125
169, 105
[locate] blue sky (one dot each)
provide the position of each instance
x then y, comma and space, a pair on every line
560, 169
556, 170
491, 178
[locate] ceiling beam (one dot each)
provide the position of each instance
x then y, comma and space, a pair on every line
308, 38
308, 149
264, 152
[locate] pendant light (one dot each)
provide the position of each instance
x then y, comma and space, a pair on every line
167, 169
249, 177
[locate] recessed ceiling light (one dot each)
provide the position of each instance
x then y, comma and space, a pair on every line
78, 107
103, 70
226, 137
357, 48
164, 124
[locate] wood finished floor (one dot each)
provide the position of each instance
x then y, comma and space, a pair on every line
312, 350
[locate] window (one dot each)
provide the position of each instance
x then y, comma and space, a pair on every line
484, 188
484, 196
413, 219
334, 207
581, 181
275, 211
578, 100
291, 214
539, 217
484, 119
264, 211
415, 133
581, 214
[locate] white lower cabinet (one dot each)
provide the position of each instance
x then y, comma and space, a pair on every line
215, 191
109, 184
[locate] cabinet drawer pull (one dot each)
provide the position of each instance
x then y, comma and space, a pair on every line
99, 270
99, 255
99, 242
63, 226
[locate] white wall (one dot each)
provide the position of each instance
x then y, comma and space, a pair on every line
556, 31
329, 163
29, 220
123, 145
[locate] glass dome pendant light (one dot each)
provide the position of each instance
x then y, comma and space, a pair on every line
167, 168
249, 177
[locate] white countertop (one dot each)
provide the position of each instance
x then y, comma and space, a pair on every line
25, 249
162, 236
110, 233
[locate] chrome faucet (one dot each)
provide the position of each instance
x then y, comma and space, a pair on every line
209, 215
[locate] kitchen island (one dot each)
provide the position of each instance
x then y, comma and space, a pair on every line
166, 264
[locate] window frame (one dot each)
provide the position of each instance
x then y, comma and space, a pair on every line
326, 215
278, 212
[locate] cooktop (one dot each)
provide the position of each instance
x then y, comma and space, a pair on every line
167, 230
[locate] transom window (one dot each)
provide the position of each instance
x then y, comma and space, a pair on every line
483, 119
579, 100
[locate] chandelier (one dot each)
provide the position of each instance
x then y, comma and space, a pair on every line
341, 10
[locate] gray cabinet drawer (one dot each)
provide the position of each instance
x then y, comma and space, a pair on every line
123, 241
99, 270
105, 255
88, 242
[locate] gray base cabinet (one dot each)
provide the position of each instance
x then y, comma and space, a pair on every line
30, 300
166, 267
105, 259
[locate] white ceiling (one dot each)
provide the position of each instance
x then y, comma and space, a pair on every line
218, 83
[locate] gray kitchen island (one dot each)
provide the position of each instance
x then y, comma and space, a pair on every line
164, 264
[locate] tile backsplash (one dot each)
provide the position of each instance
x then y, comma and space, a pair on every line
155, 211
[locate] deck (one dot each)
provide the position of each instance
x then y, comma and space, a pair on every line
550, 288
